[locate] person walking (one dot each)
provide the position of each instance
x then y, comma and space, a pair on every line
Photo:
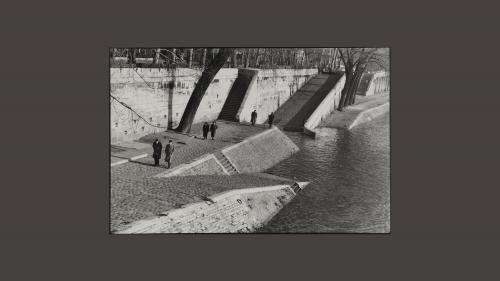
270, 119
213, 128
206, 128
253, 117
169, 150
157, 146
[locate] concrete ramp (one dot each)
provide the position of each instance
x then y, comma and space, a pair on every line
292, 116
292, 106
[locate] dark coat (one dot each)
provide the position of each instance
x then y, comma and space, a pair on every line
254, 115
169, 149
157, 146
206, 127
213, 127
271, 118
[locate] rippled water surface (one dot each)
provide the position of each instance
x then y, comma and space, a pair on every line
349, 173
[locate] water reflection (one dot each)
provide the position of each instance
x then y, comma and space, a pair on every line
350, 182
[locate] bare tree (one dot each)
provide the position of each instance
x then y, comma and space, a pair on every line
356, 61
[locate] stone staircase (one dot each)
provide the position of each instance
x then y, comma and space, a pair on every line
307, 100
225, 163
235, 98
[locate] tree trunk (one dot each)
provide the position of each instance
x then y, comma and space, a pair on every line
156, 59
131, 55
336, 51
204, 59
235, 60
350, 89
190, 64
345, 91
247, 57
355, 85
201, 86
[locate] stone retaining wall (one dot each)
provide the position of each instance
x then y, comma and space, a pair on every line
240, 210
369, 114
260, 152
269, 89
326, 107
254, 154
160, 96
205, 165
374, 84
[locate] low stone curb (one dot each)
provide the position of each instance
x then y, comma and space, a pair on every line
128, 159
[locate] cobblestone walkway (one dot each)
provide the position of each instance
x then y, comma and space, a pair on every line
132, 185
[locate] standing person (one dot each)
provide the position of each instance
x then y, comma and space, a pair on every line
213, 128
157, 146
253, 117
270, 119
169, 150
205, 130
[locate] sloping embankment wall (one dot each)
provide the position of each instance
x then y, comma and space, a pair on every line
374, 83
261, 151
254, 154
240, 210
269, 89
325, 107
369, 114
204, 165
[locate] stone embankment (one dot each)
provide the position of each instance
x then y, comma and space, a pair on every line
241, 209
217, 185
365, 109
216, 178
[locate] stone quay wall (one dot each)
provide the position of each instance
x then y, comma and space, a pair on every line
326, 107
260, 152
369, 114
269, 89
204, 165
254, 154
235, 211
160, 96
374, 84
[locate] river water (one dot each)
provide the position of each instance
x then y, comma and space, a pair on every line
349, 173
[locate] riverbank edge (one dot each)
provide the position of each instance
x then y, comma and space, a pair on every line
232, 211
255, 149
354, 120
369, 114
226, 212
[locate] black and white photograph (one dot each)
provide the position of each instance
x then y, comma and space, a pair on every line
249, 140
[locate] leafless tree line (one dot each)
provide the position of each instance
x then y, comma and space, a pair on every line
354, 61
263, 58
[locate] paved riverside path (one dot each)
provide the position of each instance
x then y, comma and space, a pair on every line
136, 194
342, 119
189, 146
138, 198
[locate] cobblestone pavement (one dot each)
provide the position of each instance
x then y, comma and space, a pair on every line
135, 194
137, 198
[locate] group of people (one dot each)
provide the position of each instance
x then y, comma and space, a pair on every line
212, 128
169, 150
270, 118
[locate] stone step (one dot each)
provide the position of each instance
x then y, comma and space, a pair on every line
225, 163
